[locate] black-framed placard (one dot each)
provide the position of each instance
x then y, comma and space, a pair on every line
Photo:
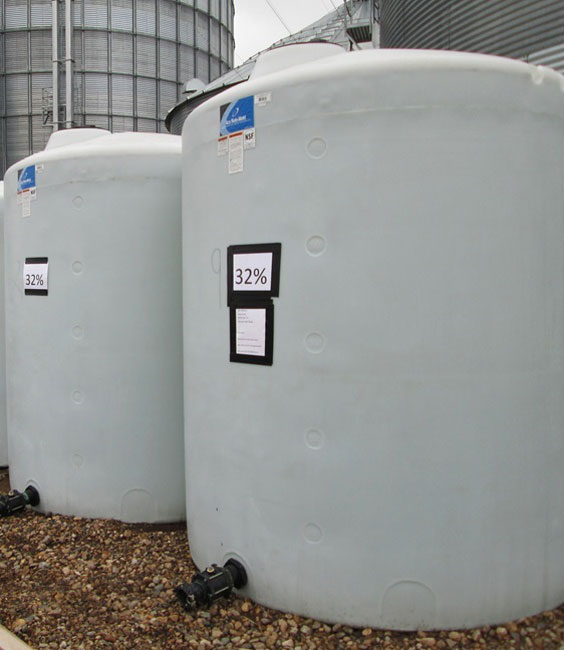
36, 276
252, 332
253, 271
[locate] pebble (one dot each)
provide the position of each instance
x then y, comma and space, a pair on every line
80, 584
19, 625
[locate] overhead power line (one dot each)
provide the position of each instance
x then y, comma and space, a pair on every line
269, 3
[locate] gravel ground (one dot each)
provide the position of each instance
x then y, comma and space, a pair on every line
78, 583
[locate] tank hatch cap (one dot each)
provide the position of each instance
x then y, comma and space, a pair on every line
65, 137
288, 56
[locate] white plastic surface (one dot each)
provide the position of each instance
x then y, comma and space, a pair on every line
287, 56
400, 463
95, 367
66, 137
3, 428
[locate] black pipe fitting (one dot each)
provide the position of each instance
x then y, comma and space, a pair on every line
15, 501
211, 584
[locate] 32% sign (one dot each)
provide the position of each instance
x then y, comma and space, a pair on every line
250, 276
34, 281
252, 271
36, 275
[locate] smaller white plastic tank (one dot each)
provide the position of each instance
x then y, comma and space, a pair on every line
3, 430
93, 325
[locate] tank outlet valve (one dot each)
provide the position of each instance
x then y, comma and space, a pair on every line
15, 501
211, 584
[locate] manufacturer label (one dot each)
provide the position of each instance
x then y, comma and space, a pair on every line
26, 179
26, 189
237, 116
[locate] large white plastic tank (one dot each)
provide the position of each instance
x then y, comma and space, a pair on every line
94, 366
3, 429
400, 464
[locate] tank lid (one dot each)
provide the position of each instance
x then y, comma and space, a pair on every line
65, 137
288, 56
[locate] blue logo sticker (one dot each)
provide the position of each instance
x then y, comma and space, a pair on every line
237, 116
26, 178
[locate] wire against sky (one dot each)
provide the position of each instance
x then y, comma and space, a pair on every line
269, 3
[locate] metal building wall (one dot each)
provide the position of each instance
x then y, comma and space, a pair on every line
513, 28
131, 58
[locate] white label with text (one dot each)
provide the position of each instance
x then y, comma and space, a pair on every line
252, 272
36, 277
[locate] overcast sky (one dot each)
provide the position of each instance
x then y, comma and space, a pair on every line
257, 26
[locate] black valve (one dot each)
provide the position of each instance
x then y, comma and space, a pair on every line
211, 584
15, 501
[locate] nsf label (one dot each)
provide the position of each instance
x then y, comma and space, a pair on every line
237, 116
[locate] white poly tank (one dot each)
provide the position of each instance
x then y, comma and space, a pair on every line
385, 228
93, 325
3, 430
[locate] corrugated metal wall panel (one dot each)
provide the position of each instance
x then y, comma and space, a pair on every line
167, 60
126, 76
122, 95
168, 96
122, 53
16, 51
41, 53
167, 20
147, 126
186, 62
16, 138
215, 68
551, 56
121, 124
186, 25
122, 14
40, 132
202, 31
214, 38
76, 49
145, 17
17, 94
96, 14
95, 51
101, 121
146, 97
41, 13
96, 93
15, 14
146, 49
40, 90
514, 28
202, 64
